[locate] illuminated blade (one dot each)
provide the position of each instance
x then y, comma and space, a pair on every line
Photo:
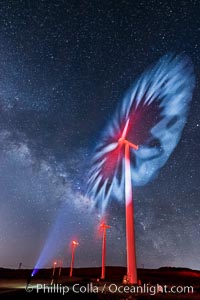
135, 147
125, 130
109, 148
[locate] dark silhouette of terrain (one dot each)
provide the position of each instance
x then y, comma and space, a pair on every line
164, 275
14, 281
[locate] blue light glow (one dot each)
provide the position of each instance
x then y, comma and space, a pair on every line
156, 105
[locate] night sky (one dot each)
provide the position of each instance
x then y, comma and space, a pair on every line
64, 67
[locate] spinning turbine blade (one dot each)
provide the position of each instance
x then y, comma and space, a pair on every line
152, 115
125, 130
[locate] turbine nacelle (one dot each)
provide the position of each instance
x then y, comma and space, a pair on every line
104, 226
122, 141
74, 243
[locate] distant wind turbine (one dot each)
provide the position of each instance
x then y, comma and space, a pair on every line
74, 245
103, 227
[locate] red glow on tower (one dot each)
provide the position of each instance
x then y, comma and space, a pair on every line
130, 228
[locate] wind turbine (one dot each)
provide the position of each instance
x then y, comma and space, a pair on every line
152, 115
74, 245
104, 227
53, 272
54, 268
129, 206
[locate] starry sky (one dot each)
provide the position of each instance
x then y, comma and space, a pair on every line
64, 67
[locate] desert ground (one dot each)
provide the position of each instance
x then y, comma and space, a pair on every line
86, 284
